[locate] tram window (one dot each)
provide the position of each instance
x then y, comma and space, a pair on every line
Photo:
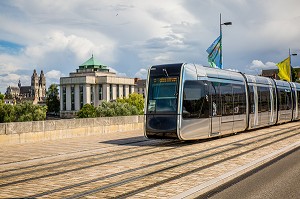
227, 99
264, 99
285, 101
239, 99
289, 105
298, 95
252, 104
215, 99
282, 99
162, 95
195, 100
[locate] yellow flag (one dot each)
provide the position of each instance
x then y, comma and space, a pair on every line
285, 69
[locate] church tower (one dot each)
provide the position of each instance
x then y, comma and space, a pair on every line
42, 85
34, 85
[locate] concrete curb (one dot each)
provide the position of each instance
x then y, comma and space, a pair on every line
216, 182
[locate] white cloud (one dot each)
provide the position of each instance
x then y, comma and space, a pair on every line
257, 64
60, 35
57, 41
12, 80
54, 74
231, 69
142, 73
117, 73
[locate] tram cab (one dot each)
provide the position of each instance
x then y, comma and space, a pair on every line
187, 101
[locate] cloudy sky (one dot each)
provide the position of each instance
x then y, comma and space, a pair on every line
129, 36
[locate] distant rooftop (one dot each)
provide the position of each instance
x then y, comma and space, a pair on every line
92, 63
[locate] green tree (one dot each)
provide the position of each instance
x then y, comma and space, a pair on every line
2, 97
52, 100
39, 113
8, 96
26, 111
110, 109
87, 111
7, 112
136, 100
133, 105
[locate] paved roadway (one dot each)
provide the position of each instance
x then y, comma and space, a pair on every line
126, 165
279, 180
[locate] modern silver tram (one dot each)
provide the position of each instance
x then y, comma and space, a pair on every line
189, 102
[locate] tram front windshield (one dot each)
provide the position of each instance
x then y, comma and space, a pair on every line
162, 96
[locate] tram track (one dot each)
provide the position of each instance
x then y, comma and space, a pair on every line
68, 153
146, 176
94, 157
76, 158
82, 167
194, 170
126, 181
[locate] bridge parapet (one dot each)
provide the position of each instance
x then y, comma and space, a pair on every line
24, 132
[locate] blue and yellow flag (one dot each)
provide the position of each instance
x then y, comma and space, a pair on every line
214, 53
285, 69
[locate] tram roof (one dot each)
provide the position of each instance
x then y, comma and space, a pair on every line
282, 83
217, 73
259, 79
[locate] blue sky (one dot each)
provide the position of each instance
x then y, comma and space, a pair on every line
129, 36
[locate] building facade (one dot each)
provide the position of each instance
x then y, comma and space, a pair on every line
92, 83
35, 92
140, 86
273, 73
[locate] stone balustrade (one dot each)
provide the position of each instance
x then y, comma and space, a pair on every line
26, 132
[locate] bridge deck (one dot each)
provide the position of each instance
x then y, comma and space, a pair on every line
128, 165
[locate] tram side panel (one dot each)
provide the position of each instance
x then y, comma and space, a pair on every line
285, 101
263, 102
296, 100
195, 110
239, 107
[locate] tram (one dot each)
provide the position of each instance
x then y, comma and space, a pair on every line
191, 102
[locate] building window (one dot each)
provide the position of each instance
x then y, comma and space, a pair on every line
81, 96
124, 91
64, 98
110, 92
72, 98
100, 92
118, 91
92, 95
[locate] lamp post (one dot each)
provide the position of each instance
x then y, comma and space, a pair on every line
290, 55
226, 24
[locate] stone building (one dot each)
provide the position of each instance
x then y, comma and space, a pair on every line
140, 86
273, 73
90, 84
35, 92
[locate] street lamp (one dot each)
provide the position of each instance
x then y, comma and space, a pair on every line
293, 54
226, 24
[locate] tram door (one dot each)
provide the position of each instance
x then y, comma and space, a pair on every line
215, 108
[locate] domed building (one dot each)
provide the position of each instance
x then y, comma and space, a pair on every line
90, 84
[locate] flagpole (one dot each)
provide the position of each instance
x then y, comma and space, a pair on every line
221, 54
221, 38
290, 65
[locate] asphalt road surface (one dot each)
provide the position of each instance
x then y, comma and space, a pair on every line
279, 180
